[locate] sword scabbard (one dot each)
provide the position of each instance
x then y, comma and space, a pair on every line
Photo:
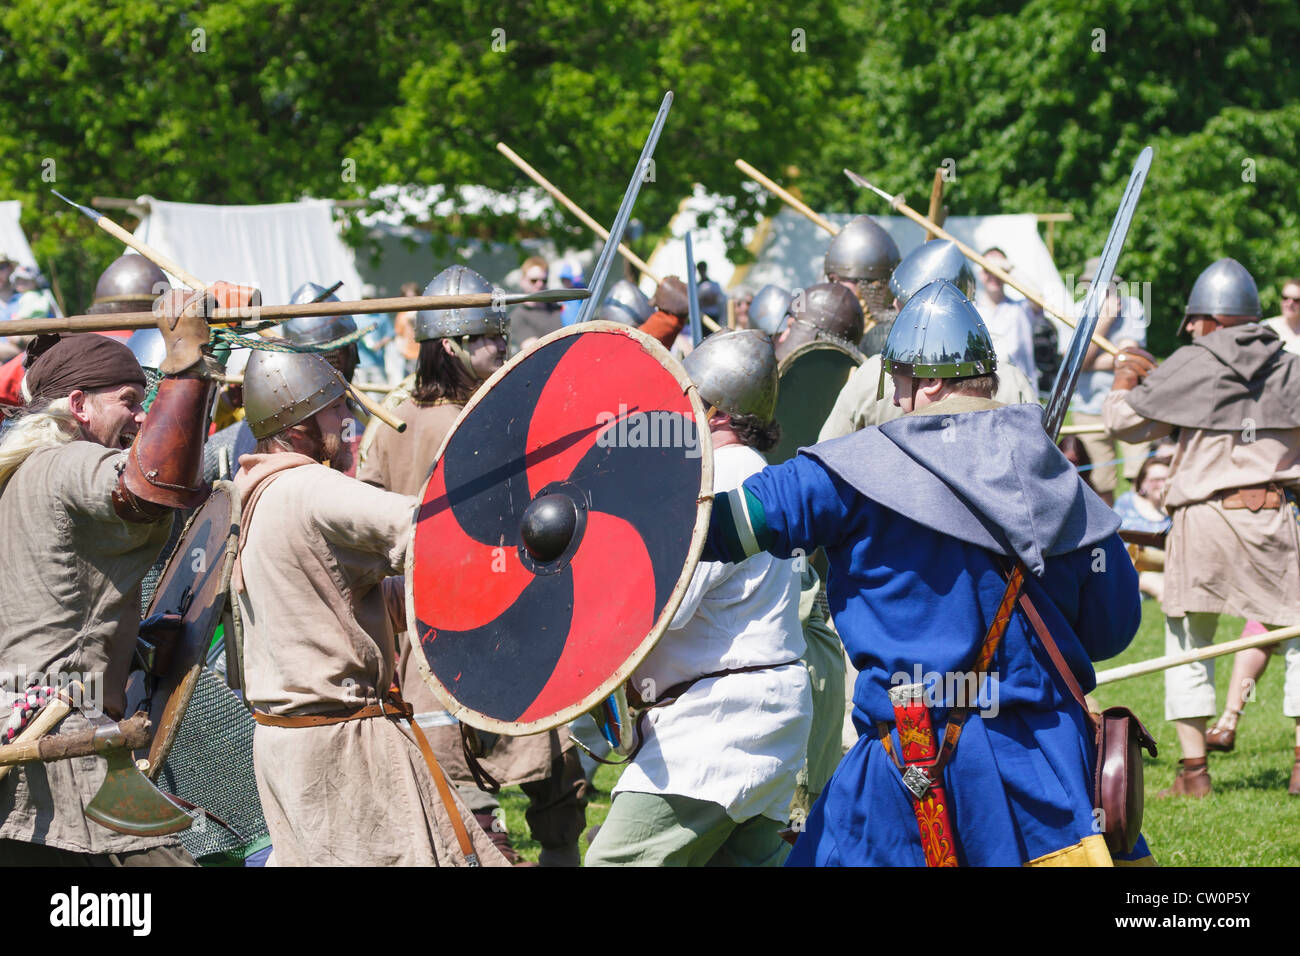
919, 753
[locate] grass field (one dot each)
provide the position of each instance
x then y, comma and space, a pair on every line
1249, 819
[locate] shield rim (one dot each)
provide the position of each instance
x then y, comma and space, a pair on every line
814, 346
168, 715
704, 508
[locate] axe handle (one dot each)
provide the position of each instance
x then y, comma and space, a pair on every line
45, 721
127, 735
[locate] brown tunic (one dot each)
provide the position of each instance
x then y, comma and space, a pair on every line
317, 638
401, 463
1222, 561
69, 609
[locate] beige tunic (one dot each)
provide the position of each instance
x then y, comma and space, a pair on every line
69, 609
401, 463
317, 638
1222, 561
857, 407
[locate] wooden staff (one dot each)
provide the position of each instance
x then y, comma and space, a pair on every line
590, 223
54, 710
121, 321
146, 250
898, 204
788, 198
936, 202
1200, 654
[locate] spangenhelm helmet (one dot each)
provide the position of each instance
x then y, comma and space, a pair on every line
770, 309
626, 304
316, 329
832, 311
938, 334
459, 323
147, 346
284, 388
131, 283
936, 259
861, 250
736, 373
1224, 288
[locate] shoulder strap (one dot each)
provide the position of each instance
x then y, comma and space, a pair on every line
1044, 635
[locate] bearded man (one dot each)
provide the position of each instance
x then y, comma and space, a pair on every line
342, 783
88, 485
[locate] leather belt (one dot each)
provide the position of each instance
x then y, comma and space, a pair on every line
396, 708
1254, 498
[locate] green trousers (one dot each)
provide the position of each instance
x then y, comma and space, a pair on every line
649, 829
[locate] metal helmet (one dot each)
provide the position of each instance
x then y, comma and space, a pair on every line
147, 346
316, 329
285, 388
713, 301
454, 323
938, 334
862, 250
626, 304
936, 259
736, 372
1225, 288
131, 283
770, 309
832, 311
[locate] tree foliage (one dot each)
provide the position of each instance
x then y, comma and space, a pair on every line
1037, 106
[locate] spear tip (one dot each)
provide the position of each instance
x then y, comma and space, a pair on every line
858, 180
76, 205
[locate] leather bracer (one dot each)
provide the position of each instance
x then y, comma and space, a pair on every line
164, 468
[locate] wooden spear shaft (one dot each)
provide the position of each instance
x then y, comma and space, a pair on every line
281, 313
898, 204
1200, 654
590, 223
787, 197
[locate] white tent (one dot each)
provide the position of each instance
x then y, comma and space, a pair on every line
274, 247
13, 243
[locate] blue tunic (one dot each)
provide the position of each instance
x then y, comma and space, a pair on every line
909, 602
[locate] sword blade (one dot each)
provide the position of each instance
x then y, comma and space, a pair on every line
1066, 379
624, 213
693, 294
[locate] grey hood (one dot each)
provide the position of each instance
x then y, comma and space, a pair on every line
984, 473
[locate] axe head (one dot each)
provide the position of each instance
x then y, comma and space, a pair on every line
128, 802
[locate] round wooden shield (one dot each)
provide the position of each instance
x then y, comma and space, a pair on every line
559, 528
812, 377
194, 585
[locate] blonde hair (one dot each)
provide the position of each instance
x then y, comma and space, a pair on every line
54, 424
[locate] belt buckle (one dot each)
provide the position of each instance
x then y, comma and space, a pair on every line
917, 780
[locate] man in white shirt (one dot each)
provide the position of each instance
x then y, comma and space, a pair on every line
731, 710
1287, 325
1008, 322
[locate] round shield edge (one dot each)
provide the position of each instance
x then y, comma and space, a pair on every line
816, 346
705, 506
173, 708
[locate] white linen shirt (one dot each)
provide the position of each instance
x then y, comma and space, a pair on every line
1012, 333
737, 740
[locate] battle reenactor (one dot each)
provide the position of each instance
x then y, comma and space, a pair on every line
626, 303
671, 308
862, 401
88, 487
1232, 400
730, 708
921, 520
459, 349
861, 258
340, 780
769, 311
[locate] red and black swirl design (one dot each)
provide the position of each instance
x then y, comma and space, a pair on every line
519, 640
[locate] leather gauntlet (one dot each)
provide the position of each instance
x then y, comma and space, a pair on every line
1132, 365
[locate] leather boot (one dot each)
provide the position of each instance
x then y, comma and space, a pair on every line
1193, 780
1294, 789
1221, 739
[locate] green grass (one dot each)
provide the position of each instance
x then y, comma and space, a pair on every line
1249, 819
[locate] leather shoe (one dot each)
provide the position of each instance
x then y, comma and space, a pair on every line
1193, 780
